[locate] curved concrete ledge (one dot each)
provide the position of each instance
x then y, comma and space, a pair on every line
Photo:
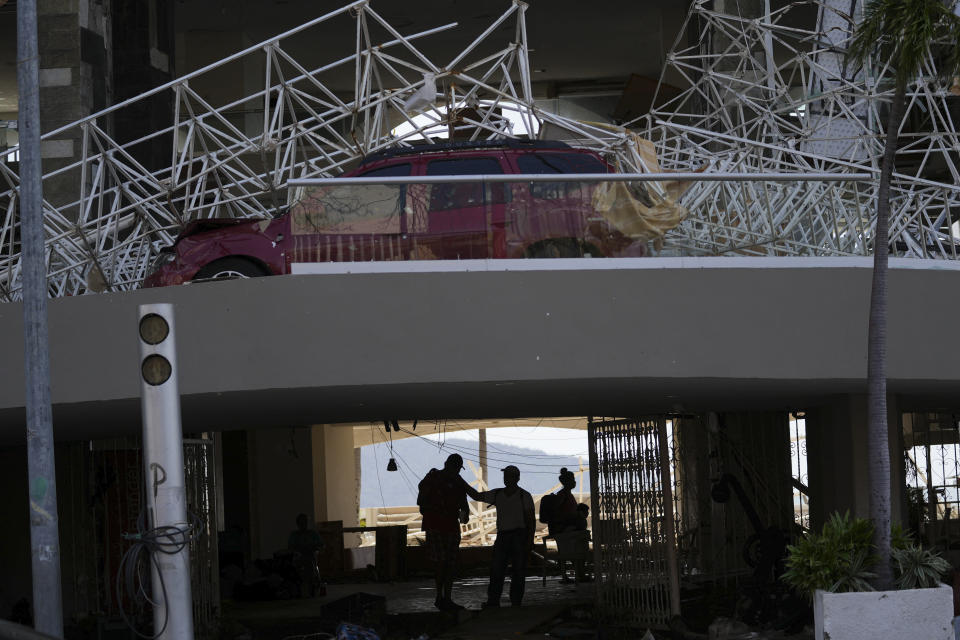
305, 349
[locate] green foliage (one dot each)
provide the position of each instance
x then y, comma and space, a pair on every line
918, 568
837, 559
900, 539
854, 576
902, 31
840, 558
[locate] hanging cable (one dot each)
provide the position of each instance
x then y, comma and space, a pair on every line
470, 451
376, 466
402, 475
470, 454
143, 554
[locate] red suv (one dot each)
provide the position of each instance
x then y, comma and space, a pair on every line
450, 221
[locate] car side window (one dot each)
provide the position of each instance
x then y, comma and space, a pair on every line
353, 209
388, 172
466, 194
537, 163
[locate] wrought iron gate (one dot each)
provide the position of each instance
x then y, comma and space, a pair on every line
201, 487
633, 522
105, 494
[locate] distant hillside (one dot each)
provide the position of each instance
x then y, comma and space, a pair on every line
415, 456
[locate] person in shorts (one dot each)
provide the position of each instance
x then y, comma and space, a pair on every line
443, 503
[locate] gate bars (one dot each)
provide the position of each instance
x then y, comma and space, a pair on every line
634, 523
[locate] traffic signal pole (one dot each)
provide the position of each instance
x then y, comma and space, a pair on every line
44, 534
163, 464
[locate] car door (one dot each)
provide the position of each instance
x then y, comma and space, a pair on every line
352, 223
464, 220
553, 210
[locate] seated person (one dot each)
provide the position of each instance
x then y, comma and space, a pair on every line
304, 543
583, 513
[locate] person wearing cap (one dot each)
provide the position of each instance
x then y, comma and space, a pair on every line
515, 528
443, 503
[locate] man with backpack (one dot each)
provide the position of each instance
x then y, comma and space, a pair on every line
442, 499
515, 529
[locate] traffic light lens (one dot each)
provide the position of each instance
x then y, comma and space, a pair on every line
156, 369
153, 328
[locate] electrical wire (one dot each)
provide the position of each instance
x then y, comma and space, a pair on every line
392, 454
523, 455
376, 466
469, 454
142, 554
470, 451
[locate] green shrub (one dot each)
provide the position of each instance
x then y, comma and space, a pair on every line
918, 568
837, 559
841, 556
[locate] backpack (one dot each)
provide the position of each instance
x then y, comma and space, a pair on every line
427, 498
548, 507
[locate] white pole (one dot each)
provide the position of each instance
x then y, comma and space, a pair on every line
482, 455
41, 468
163, 465
673, 569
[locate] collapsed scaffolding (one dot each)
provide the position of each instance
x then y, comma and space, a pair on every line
773, 91
767, 93
234, 160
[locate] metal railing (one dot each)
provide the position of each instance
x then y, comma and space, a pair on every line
107, 214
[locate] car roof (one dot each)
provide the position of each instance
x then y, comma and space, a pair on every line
504, 143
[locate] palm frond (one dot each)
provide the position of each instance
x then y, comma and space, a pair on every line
903, 32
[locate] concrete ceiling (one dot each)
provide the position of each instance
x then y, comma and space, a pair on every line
574, 43
571, 39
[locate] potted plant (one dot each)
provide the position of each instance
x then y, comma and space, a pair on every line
834, 569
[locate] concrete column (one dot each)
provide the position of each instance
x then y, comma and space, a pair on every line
84, 46
75, 81
143, 40
335, 478
837, 459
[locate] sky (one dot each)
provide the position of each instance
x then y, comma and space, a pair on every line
567, 442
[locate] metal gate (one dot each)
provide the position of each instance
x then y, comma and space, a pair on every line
633, 522
200, 464
932, 472
105, 497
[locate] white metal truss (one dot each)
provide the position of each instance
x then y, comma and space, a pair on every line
766, 93
233, 160
774, 93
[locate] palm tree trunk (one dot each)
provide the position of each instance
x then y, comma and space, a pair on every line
878, 435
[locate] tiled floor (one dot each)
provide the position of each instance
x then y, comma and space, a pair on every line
414, 600
471, 592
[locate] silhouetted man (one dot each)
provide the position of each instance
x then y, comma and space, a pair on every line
515, 528
443, 503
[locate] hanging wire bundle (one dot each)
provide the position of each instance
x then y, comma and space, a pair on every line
133, 572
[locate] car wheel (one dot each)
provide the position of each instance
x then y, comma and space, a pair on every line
563, 248
230, 269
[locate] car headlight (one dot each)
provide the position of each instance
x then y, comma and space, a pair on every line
165, 257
